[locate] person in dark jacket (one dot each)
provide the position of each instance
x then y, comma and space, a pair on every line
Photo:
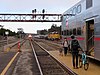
74, 48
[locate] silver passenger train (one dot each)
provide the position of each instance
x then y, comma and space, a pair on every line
85, 25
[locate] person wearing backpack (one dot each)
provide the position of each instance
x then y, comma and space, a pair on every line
74, 48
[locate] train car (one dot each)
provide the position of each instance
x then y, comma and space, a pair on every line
30, 37
54, 36
85, 25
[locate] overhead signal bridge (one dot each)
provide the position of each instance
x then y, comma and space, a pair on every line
32, 17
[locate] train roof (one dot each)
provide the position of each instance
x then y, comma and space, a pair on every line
67, 11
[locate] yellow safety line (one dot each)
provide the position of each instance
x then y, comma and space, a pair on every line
9, 64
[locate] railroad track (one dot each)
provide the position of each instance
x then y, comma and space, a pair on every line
47, 64
50, 44
4, 42
40, 61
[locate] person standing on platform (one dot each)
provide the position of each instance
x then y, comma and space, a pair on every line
65, 45
74, 48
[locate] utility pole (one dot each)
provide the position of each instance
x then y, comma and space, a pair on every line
7, 36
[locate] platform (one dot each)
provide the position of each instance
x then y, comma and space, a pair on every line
67, 60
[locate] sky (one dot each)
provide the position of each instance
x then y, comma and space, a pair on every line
26, 6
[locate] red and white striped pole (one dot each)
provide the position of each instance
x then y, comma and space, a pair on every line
19, 47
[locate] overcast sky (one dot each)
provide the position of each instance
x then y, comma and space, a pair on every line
26, 6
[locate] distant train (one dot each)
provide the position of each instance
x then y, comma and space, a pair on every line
85, 25
54, 36
30, 37
50, 36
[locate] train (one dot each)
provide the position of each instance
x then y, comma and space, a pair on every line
54, 36
85, 25
50, 36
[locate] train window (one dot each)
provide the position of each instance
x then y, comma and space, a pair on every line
74, 10
62, 32
74, 31
67, 32
67, 17
88, 4
97, 29
70, 31
79, 8
79, 31
71, 12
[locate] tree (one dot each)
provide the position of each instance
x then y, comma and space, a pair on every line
54, 28
2, 32
43, 32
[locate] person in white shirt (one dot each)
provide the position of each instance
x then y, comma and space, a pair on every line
65, 45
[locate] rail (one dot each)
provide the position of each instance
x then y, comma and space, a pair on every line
36, 59
64, 67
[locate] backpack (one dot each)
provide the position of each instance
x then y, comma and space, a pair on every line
75, 44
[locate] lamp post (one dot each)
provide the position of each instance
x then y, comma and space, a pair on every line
7, 36
20, 31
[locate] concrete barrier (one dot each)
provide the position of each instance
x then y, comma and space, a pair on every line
9, 46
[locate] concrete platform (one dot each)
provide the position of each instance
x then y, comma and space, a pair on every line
67, 60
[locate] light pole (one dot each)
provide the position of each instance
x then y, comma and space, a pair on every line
20, 30
7, 36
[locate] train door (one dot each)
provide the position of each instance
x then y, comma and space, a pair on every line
90, 37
